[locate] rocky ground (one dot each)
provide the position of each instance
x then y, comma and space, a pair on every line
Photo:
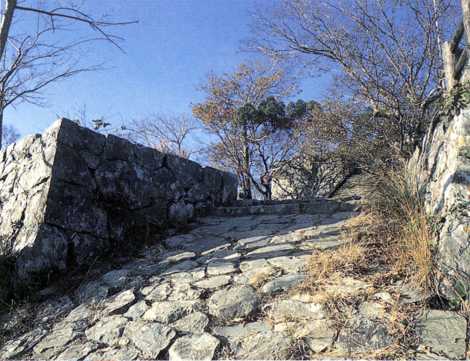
234, 287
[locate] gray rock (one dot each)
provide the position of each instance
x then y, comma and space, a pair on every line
363, 335
191, 275
56, 341
77, 351
170, 311
218, 268
252, 242
185, 292
319, 335
195, 322
16, 347
283, 283
237, 302
242, 330
181, 267
80, 313
444, 333
294, 264
116, 278
114, 353
92, 292
292, 310
107, 330
253, 264
137, 310
195, 347
177, 257
157, 293
213, 282
263, 346
272, 251
150, 338
119, 303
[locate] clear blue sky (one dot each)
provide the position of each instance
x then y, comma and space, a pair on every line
168, 53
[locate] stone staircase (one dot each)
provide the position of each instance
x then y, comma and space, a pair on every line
318, 206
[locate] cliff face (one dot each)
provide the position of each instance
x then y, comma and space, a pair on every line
71, 194
442, 166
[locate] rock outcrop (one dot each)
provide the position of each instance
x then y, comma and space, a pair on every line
442, 166
71, 195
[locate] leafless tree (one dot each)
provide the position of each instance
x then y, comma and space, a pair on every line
30, 60
385, 52
169, 134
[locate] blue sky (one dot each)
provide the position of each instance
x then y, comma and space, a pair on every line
168, 53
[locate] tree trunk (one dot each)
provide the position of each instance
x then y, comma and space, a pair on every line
1, 125
7, 18
246, 165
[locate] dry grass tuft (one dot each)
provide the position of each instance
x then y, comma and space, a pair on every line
348, 259
400, 227
414, 252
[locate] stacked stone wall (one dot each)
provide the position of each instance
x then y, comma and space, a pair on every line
72, 195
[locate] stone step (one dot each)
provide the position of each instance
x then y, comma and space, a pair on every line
320, 206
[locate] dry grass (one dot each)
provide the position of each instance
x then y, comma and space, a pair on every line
348, 259
414, 252
400, 227
390, 241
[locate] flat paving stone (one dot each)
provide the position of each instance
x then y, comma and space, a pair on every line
181, 267
157, 293
363, 335
218, 268
195, 323
56, 341
252, 242
114, 353
272, 251
241, 330
107, 330
177, 256
169, 311
194, 347
283, 283
290, 264
444, 333
185, 292
264, 346
118, 302
293, 310
78, 351
136, 311
213, 282
149, 337
236, 302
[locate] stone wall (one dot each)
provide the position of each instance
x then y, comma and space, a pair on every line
71, 195
442, 166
